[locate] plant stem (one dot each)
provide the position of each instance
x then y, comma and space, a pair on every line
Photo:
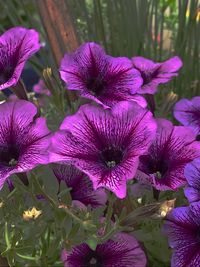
54, 204
113, 230
47, 197
109, 211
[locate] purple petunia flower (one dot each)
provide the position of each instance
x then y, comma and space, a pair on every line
80, 184
154, 73
173, 148
192, 175
122, 251
187, 112
24, 140
17, 45
99, 77
40, 88
105, 144
182, 228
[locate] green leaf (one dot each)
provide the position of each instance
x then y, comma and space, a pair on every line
92, 243
26, 257
74, 231
7, 238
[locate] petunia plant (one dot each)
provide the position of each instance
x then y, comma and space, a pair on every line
90, 170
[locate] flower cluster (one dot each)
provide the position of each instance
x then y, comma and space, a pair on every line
182, 224
106, 145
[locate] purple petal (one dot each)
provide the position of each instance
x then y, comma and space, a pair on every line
141, 101
192, 194
184, 258
144, 64
17, 45
192, 175
76, 257
187, 112
35, 146
171, 66
180, 227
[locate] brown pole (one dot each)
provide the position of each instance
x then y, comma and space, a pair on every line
57, 21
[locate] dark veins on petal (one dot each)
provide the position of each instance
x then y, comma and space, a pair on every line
93, 260
112, 156
9, 155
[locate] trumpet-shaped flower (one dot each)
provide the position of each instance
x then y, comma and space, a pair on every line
105, 144
81, 186
24, 139
17, 45
122, 250
154, 73
99, 77
172, 149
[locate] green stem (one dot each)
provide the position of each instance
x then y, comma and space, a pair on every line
72, 215
47, 197
107, 236
109, 211
54, 204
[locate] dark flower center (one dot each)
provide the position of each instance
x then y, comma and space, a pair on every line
9, 155
112, 156
158, 168
148, 76
96, 85
93, 260
5, 74
198, 137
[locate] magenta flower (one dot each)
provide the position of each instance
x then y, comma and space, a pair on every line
99, 77
105, 144
24, 140
182, 228
81, 186
154, 73
41, 89
17, 45
122, 251
187, 112
192, 175
173, 148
